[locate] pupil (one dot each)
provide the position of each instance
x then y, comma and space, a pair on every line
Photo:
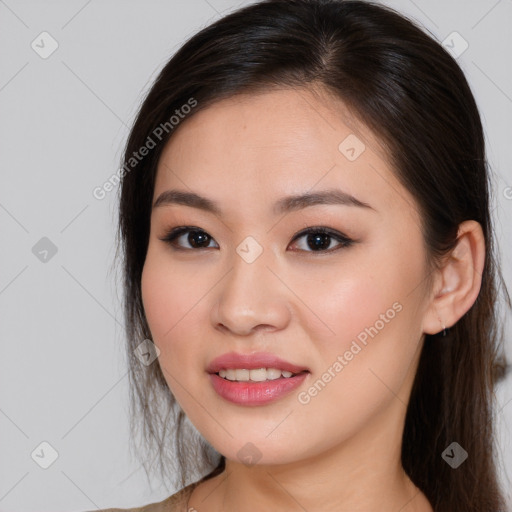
322, 238
198, 239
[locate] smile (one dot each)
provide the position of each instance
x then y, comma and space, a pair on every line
255, 375
254, 379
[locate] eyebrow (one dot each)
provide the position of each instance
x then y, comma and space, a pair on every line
283, 205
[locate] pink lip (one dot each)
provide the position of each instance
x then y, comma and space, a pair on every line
254, 393
251, 362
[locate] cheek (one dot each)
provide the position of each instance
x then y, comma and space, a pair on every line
176, 306
169, 298
347, 299
363, 366
367, 300
155, 286
172, 305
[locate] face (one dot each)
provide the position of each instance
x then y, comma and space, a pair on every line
339, 306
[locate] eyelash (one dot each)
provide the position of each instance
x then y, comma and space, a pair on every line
344, 241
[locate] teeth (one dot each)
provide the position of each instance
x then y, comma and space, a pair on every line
242, 374
256, 375
273, 373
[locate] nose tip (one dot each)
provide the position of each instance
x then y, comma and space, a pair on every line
250, 298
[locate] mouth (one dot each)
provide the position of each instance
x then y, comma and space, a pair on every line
255, 375
254, 379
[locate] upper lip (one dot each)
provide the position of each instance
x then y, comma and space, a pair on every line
251, 362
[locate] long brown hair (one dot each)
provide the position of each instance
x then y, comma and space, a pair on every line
405, 87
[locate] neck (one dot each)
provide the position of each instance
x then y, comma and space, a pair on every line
362, 473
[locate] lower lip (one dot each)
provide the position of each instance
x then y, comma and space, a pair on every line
255, 393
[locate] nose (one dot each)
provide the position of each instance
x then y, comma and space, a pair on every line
250, 298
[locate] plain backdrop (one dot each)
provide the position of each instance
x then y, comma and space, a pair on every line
63, 120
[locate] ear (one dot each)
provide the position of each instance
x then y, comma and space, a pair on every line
457, 282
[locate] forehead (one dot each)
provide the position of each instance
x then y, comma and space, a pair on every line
276, 125
275, 143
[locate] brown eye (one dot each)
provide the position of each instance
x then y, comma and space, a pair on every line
196, 238
319, 239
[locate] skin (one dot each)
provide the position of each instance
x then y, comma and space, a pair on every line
340, 451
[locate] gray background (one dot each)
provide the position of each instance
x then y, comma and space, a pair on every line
63, 120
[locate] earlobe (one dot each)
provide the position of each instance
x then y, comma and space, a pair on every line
458, 280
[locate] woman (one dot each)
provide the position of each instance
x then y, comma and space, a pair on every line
310, 275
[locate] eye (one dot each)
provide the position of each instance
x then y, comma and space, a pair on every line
196, 237
319, 239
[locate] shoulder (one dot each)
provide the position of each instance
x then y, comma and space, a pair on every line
175, 503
